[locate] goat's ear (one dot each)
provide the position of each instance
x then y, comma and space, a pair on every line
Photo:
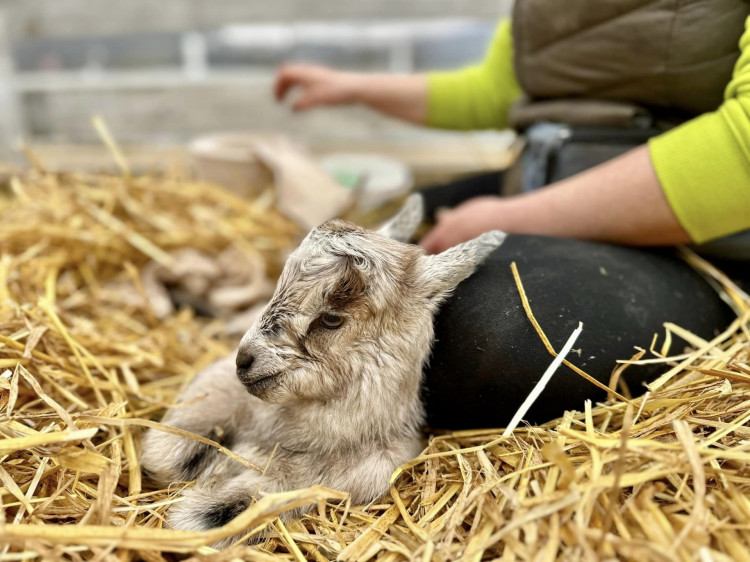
401, 226
443, 272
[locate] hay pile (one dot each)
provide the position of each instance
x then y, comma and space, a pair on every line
83, 370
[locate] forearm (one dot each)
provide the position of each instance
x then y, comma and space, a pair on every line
403, 96
620, 201
693, 184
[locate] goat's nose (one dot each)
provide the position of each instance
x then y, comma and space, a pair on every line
245, 359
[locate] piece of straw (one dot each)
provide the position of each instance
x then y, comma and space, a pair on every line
87, 369
539, 387
546, 342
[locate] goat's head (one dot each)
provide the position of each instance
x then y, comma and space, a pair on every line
350, 305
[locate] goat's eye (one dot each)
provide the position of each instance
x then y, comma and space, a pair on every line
331, 321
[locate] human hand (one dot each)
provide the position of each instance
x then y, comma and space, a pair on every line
465, 222
319, 85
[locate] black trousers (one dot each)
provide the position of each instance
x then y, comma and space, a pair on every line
487, 357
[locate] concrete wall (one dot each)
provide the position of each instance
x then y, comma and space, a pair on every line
55, 18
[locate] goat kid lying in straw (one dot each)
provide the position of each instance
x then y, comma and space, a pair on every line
330, 372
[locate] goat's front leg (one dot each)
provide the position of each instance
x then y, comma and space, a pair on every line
214, 405
217, 499
214, 501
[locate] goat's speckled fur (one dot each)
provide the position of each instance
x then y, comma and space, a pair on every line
342, 404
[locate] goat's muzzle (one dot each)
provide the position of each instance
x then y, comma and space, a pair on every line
245, 359
257, 383
255, 379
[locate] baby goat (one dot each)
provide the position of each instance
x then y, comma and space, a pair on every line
330, 373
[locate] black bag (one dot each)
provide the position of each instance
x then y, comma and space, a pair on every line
557, 151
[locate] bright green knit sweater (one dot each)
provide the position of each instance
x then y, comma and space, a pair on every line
703, 165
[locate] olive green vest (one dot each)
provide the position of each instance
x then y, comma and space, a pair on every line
610, 62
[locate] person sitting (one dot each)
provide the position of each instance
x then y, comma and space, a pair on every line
637, 118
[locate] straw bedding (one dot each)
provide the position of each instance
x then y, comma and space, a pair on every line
83, 370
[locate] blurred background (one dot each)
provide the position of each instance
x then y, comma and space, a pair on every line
163, 73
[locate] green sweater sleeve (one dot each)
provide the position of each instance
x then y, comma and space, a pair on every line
704, 165
477, 97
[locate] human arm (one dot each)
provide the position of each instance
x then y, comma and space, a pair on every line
691, 184
476, 97
620, 201
403, 96
479, 96
704, 165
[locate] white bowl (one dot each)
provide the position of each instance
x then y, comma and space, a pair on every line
377, 179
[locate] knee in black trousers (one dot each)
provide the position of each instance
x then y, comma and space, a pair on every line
487, 357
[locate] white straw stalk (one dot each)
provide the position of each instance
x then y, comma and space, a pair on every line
543, 381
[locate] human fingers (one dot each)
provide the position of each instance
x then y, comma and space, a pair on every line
282, 83
290, 76
439, 238
464, 223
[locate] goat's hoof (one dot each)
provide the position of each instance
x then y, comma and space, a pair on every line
203, 508
168, 458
